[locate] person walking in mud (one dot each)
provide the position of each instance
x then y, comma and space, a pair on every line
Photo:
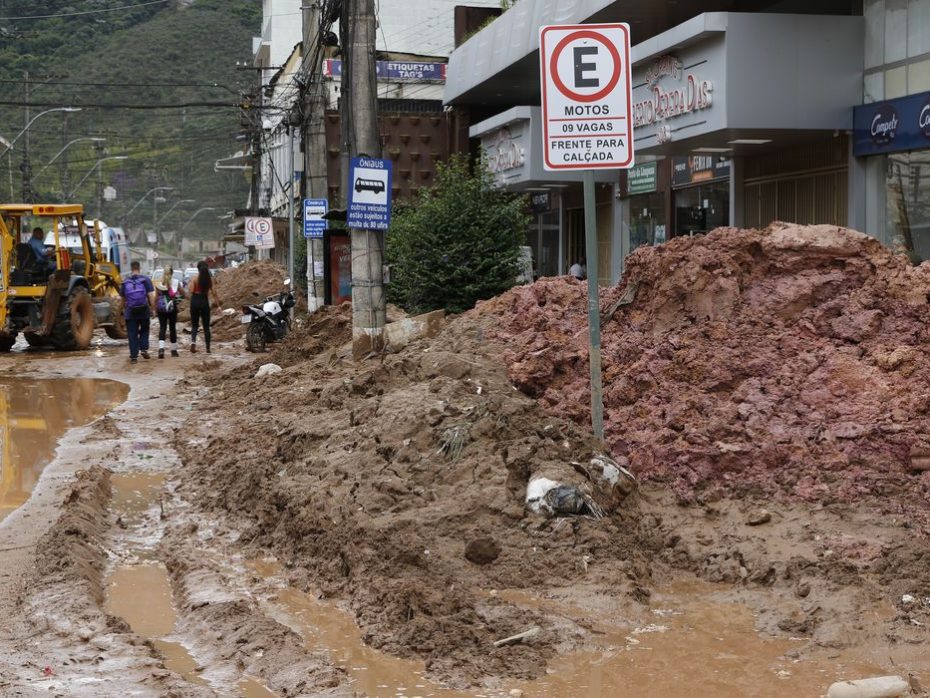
201, 289
169, 292
138, 295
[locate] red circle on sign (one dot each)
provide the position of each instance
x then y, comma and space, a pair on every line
554, 71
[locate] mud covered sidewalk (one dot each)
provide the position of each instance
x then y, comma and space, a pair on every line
362, 529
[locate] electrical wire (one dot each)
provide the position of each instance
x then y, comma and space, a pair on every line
87, 12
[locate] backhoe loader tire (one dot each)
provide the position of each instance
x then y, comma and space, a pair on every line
74, 327
118, 329
35, 340
6, 343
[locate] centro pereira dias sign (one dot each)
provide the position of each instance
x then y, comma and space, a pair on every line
674, 93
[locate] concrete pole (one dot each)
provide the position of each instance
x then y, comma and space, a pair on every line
315, 145
368, 301
98, 214
291, 241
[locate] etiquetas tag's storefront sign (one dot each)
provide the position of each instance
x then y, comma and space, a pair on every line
672, 92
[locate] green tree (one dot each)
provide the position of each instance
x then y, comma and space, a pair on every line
458, 243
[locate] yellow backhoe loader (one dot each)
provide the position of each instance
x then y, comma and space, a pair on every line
55, 295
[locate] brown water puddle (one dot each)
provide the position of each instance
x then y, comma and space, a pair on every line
324, 626
141, 595
688, 645
34, 414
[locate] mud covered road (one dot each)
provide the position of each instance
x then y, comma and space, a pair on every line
360, 529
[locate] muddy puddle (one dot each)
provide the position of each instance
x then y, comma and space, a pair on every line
34, 415
687, 644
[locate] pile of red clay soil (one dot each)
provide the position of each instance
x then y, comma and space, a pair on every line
788, 362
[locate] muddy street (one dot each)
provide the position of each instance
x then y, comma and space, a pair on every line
185, 527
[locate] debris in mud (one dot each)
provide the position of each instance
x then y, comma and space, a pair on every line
446, 465
267, 370
783, 360
875, 687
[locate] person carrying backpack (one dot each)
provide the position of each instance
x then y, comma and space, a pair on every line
138, 308
169, 292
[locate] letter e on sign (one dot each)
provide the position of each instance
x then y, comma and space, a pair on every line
586, 96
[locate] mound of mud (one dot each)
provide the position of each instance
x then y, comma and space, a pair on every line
323, 331
375, 483
247, 284
789, 362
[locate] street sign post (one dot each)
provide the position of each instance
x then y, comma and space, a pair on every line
259, 232
369, 194
314, 224
587, 125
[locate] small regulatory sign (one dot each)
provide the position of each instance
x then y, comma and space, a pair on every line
369, 194
258, 229
314, 223
586, 96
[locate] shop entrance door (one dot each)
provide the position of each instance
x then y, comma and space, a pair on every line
807, 199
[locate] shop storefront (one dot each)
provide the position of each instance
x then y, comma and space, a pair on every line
512, 146
750, 139
893, 138
645, 205
701, 193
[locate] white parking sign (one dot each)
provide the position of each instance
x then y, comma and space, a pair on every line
586, 96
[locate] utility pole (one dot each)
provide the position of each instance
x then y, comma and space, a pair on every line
98, 212
360, 114
25, 167
314, 142
65, 174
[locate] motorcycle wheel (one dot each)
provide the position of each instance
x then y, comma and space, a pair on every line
255, 338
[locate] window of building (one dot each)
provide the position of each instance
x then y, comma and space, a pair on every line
896, 82
918, 27
647, 220
907, 196
703, 208
895, 30
918, 77
874, 13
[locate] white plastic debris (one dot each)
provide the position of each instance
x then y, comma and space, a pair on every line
908, 599
267, 370
230, 312
874, 687
536, 494
613, 473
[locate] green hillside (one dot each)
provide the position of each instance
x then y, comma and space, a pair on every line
164, 54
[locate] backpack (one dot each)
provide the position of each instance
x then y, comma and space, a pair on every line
136, 296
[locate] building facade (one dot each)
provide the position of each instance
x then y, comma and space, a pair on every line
743, 114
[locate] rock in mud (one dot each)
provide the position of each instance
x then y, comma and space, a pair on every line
757, 517
874, 687
267, 370
482, 551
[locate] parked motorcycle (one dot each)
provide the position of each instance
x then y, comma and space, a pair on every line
270, 321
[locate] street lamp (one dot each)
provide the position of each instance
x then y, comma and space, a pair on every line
60, 152
9, 146
187, 222
174, 206
91, 171
144, 197
197, 213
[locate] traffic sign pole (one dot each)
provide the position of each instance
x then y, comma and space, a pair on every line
594, 306
587, 108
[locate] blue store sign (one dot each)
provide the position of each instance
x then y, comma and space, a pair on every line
892, 126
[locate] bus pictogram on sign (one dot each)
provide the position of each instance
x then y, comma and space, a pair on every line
586, 96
